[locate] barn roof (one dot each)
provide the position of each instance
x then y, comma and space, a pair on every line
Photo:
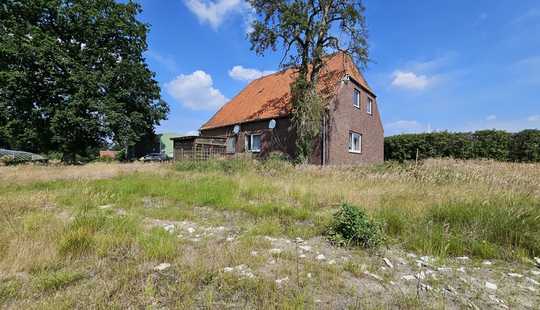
269, 96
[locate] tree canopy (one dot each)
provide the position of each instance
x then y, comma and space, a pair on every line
73, 76
306, 31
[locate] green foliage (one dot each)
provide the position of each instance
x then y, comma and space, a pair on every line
525, 146
73, 76
307, 116
352, 226
484, 144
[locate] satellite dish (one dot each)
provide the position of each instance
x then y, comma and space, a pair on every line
272, 124
236, 129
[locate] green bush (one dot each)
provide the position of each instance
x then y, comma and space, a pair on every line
351, 226
485, 144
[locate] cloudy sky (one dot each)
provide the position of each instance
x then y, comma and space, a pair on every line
436, 65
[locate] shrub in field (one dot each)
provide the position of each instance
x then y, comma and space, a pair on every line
351, 226
525, 146
484, 144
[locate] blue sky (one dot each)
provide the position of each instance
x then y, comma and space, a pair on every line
437, 65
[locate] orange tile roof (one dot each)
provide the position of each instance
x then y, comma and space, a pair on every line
269, 96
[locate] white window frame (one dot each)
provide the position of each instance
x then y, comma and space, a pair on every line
352, 134
369, 107
250, 144
357, 98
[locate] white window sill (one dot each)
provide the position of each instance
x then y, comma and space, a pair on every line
355, 152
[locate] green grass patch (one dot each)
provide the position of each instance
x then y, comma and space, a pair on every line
9, 289
158, 244
45, 281
504, 227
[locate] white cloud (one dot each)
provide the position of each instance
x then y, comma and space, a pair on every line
247, 74
215, 12
410, 80
196, 91
534, 118
491, 117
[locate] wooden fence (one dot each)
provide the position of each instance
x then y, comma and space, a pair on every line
199, 152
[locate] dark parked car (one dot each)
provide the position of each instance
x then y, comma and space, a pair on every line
154, 157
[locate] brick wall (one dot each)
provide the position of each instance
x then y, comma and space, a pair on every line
345, 117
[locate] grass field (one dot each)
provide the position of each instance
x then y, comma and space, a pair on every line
246, 234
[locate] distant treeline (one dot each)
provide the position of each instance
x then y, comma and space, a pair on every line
500, 145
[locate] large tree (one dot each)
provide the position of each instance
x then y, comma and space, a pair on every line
73, 76
307, 31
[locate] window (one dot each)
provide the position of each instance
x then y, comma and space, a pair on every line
253, 143
369, 106
231, 145
356, 98
355, 142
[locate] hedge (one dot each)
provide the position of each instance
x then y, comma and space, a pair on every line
500, 145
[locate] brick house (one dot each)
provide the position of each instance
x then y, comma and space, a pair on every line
258, 121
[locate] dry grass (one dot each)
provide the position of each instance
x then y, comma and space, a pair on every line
59, 249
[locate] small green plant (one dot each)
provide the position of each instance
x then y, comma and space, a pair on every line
55, 280
351, 226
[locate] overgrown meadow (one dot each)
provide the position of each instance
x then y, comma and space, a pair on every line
93, 235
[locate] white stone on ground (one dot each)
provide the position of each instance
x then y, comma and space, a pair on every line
533, 281
282, 281
320, 257
305, 248
444, 269
254, 253
191, 230
169, 227
331, 262
491, 286
162, 266
302, 256
462, 258
105, 207
408, 278
229, 239
535, 272
374, 276
487, 263
515, 275
388, 262
276, 251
